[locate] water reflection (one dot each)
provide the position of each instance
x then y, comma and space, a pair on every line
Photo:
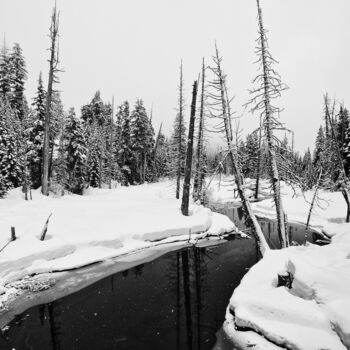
175, 302
296, 232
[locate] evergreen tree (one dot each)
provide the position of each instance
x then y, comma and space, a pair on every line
36, 136
94, 164
96, 118
19, 75
251, 155
342, 127
150, 174
76, 153
3, 187
124, 147
5, 73
319, 148
162, 156
140, 140
307, 171
346, 152
10, 168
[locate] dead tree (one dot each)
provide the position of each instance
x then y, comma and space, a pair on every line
199, 176
220, 112
269, 86
178, 135
53, 69
258, 168
189, 154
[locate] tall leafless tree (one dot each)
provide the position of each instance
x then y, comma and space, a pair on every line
199, 176
220, 112
53, 70
269, 86
178, 136
189, 154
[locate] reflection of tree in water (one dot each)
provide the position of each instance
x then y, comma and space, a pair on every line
138, 270
189, 283
125, 273
54, 311
42, 314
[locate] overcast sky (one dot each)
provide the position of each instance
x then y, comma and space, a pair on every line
132, 49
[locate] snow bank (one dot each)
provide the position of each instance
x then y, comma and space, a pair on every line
296, 204
312, 315
97, 226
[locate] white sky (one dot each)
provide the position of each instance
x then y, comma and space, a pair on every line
132, 48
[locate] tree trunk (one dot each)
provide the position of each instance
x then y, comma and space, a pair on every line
179, 160
258, 169
189, 153
233, 156
198, 178
269, 136
52, 63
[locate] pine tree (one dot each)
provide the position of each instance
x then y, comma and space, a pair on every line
319, 148
19, 75
140, 140
251, 155
342, 127
10, 168
3, 187
5, 73
346, 152
307, 170
150, 173
76, 154
36, 136
96, 119
124, 147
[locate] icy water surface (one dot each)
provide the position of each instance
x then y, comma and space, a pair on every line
177, 301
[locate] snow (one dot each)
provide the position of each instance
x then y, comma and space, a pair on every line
99, 225
314, 313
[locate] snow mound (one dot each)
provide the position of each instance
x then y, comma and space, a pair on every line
313, 314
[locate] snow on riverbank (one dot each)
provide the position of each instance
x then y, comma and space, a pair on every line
296, 204
97, 226
314, 313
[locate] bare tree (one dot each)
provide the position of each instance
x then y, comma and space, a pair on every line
220, 112
199, 176
269, 86
53, 70
178, 139
189, 154
258, 168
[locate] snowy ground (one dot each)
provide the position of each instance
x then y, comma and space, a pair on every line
98, 226
314, 313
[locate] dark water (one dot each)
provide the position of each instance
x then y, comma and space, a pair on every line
178, 301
